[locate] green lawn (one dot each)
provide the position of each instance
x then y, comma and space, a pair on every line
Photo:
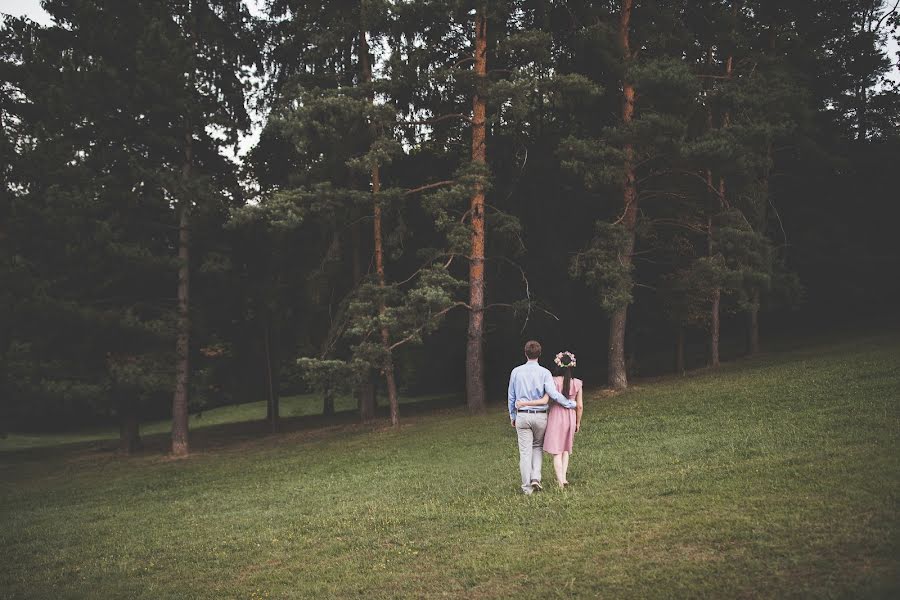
772, 477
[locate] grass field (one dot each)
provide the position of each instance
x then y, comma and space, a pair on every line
772, 477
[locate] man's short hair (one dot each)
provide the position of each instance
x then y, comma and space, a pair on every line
532, 349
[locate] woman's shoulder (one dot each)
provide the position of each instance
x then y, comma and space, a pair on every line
578, 383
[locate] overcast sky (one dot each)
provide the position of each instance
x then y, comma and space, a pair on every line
31, 8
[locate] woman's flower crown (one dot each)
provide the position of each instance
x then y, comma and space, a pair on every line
565, 359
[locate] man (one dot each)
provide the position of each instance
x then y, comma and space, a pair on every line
530, 382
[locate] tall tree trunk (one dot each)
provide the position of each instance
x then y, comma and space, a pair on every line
365, 392
716, 296
679, 350
182, 341
475, 394
716, 308
129, 427
617, 373
388, 363
273, 404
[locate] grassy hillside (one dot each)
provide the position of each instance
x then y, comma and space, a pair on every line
774, 477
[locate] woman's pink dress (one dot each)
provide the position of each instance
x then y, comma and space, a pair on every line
560, 431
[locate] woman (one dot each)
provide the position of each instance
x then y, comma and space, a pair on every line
562, 423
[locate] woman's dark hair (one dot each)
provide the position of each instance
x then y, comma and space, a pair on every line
566, 374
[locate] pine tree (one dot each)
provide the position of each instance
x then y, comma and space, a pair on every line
337, 101
756, 103
93, 332
212, 47
656, 98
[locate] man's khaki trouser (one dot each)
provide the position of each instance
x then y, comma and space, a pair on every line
530, 429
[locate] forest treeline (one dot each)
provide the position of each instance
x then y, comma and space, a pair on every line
435, 181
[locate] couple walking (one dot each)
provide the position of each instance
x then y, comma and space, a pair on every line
542, 426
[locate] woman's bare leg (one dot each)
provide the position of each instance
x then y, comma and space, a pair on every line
558, 467
565, 468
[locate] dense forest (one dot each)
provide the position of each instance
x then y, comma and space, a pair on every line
654, 185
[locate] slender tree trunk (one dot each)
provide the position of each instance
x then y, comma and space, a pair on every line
388, 364
182, 341
475, 394
716, 296
617, 373
129, 427
273, 404
714, 328
716, 308
713, 345
679, 350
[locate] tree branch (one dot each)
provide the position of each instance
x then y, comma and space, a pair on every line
886, 15
418, 330
429, 186
463, 61
419, 270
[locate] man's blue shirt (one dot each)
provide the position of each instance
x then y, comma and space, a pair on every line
530, 382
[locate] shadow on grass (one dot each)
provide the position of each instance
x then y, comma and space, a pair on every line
222, 436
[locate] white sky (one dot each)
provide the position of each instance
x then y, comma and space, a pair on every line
33, 10
30, 8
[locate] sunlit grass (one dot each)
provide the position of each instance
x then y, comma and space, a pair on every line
772, 477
